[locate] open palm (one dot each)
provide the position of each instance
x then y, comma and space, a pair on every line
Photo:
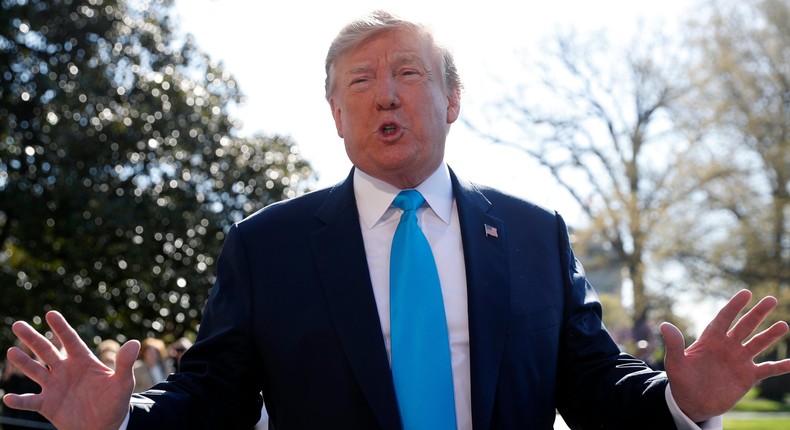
709, 377
78, 392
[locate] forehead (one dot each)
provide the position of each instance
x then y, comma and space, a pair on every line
395, 45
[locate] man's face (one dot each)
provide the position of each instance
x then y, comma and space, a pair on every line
392, 108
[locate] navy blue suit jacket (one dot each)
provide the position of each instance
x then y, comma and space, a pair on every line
292, 315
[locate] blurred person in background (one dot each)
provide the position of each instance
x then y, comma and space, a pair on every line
106, 351
150, 368
175, 351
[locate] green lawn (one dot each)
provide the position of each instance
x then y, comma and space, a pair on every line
750, 403
767, 424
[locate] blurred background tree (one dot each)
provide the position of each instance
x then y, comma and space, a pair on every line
120, 168
601, 118
741, 102
675, 149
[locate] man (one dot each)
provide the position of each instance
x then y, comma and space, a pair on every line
300, 311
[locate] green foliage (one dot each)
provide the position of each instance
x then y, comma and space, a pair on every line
752, 402
757, 424
615, 316
120, 168
761, 413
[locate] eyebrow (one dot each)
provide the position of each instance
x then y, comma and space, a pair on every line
408, 58
400, 60
362, 68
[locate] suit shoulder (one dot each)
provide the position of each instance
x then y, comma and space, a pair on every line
506, 201
291, 210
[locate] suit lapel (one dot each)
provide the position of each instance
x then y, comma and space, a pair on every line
340, 255
487, 278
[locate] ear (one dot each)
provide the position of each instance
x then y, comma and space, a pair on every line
337, 117
453, 105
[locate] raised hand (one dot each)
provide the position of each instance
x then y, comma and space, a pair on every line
78, 392
709, 377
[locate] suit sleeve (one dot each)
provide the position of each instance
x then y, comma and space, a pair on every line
218, 385
598, 386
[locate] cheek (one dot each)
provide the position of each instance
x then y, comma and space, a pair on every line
437, 107
434, 119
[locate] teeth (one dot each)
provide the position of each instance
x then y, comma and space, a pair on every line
389, 129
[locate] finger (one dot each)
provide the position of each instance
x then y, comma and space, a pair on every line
724, 318
749, 322
39, 344
772, 368
30, 367
761, 341
674, 342
27, 402
126, 356
124, 360
72, 344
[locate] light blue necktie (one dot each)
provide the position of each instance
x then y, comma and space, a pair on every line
421, 366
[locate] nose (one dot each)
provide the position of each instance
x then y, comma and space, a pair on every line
387, 94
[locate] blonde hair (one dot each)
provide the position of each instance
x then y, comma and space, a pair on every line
152, 342
377, 21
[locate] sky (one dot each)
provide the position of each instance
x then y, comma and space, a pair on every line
276, 50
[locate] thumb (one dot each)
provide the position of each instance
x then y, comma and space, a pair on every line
673, 339
126, 356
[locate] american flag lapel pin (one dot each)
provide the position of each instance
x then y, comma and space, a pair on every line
491, 231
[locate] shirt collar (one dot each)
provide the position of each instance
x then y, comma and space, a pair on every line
378, 195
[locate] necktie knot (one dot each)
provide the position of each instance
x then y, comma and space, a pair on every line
408, 200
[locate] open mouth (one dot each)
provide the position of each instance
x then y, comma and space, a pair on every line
389, 129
